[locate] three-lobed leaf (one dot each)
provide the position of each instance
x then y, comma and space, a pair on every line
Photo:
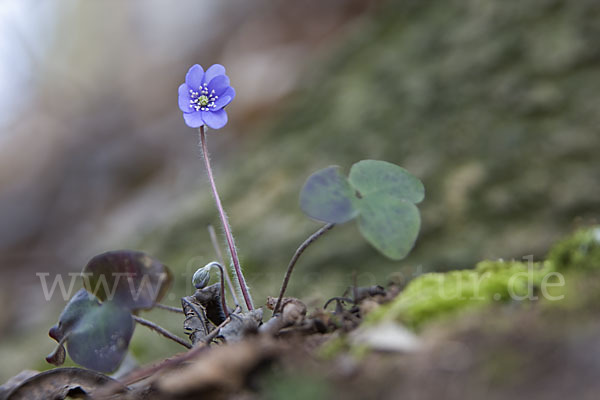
97, 324
97, 334
381, 195
130, 278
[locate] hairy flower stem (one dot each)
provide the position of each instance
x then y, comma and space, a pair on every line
161, 331
230, 243
294, 259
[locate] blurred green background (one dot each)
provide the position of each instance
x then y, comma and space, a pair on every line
493, 105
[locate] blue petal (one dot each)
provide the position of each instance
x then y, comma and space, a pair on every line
184, 98
215, 119
194, 119
194, 77
219, 84
224, 98
221, 102
229, 92
214, 71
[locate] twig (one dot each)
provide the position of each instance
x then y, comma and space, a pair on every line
295, 258
169, 308
213, 334
232, 251
215, 243
346, 299
162, 331
144, 373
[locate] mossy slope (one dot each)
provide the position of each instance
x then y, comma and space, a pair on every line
432, 296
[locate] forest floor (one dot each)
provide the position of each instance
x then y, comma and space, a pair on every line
387, 343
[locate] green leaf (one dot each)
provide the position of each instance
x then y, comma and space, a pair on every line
97, 335
130, 278
381, 194
389, 223
327, 196
381, 177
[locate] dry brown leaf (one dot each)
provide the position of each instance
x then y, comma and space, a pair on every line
61, 382
221, 368
293, 312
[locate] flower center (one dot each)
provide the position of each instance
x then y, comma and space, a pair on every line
202, 100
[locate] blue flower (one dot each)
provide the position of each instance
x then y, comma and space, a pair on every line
204, 95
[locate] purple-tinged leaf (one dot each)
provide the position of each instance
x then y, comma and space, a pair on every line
130, 278
101, 338
57, 357
97, 335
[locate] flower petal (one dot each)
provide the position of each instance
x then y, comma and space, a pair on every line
194, 77
221, 102
224, 98
228, 92
219, 84
184, 98
213, 71
194, 119
215, 119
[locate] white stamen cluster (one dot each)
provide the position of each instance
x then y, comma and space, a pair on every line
202, 100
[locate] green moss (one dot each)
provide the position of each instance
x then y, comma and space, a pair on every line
566, 279
436, 295
578, 252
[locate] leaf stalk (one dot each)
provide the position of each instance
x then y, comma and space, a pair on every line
295, 258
